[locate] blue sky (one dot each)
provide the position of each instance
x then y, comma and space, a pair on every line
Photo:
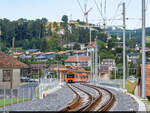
54, 9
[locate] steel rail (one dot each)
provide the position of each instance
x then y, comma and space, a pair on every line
78, 105
109, 103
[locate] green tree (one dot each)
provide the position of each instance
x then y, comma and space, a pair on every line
44, 45
76, 46
65, 27
131, 43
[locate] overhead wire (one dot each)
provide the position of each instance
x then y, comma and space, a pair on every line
100, 11
147, 3
116, 12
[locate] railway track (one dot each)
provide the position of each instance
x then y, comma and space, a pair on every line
84, 101
107, 100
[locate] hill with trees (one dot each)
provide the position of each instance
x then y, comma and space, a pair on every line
44, 35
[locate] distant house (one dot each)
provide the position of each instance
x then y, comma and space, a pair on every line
71, 45
27, 56
37, 67
17, 54
79, 53
30, 51
50, 55
22, 56
104, 68
82, 61
5, 71
132, 57
67, 53
35, 54
110, 62
41, 58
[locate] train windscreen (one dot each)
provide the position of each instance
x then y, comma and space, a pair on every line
70, 76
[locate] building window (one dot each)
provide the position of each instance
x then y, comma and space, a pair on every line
6, 75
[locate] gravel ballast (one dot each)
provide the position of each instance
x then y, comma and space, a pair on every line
53, 102
123, 101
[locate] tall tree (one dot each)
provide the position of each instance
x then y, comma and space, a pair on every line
65, 27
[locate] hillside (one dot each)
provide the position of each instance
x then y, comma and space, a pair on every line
129, 33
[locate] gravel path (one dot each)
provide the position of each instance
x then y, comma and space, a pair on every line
53, 102
123, 101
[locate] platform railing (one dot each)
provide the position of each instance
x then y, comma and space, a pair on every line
46, 85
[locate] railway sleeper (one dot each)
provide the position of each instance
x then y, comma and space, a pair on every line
107, 106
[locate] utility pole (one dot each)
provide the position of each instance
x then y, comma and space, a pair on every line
124, 35
99, 67
143, 48
12, 65
91, 69
90, 35
96, 58
93, 63
0, 39
90, 55
12, 62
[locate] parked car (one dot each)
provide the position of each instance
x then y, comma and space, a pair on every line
24, 79
31, 80
132, 79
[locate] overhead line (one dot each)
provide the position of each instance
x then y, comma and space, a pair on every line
99, 9
80, 7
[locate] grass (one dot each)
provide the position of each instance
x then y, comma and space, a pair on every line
14, 101
148, 39
129, 85
146, 101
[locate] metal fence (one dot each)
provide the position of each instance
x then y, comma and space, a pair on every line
26, 92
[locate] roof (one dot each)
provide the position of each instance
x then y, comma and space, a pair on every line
78, 59
92, 44
37, 65
36, 53
41, 57
61, 52
33, 50
52, 66
78, 51
18, 53
5, 62
132, 54
49, 53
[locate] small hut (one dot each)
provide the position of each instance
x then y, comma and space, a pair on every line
10, 71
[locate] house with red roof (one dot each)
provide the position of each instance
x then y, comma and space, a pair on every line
8, 66
82, 61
